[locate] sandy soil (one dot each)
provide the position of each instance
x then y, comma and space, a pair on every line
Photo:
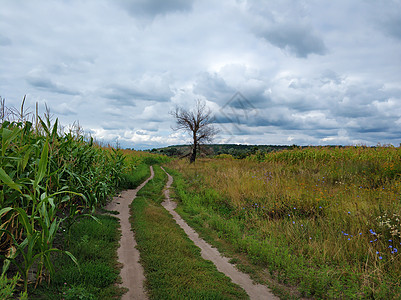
132, 272
255, 291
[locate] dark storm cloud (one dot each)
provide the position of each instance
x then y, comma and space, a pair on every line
294, 38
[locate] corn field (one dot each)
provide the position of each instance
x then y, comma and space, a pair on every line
48, 179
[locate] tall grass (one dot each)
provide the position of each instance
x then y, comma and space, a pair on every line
324, 219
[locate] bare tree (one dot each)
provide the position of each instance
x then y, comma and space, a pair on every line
197, 122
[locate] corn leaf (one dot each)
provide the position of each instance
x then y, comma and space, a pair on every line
8, 181
42, 165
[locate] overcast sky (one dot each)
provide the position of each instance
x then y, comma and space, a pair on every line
273, 72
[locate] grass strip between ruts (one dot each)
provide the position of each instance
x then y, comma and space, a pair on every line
173, 265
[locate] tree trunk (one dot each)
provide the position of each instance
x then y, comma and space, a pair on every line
193, 155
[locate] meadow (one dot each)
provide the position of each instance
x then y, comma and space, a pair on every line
324, 221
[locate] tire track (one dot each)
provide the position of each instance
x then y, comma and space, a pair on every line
132, 273
255, 291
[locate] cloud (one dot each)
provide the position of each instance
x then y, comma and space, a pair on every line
385, 16
51, 86
63, 109
288, 26
213, 87
295, 38
152, 8
393, 26
149, 87
311, 73
4, 41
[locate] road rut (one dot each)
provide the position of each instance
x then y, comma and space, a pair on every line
255, 291
132, 274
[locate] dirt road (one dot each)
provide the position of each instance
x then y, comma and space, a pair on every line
132, 272
255, 291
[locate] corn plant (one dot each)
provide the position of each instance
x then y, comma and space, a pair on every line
39, 223
48, 180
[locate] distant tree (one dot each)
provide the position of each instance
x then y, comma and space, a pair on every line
198, 123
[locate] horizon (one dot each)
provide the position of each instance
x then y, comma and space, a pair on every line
272, 72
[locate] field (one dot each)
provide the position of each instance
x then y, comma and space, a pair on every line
320, 222
51, 181
325, 222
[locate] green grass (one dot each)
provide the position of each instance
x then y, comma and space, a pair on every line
95, 246
136, 177
173, 265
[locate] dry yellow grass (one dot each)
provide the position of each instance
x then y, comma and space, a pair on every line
339, 210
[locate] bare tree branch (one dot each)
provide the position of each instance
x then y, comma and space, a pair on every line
197, 122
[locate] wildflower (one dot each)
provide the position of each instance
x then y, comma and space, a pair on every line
320, 207
390, 246
390, 240
295, 208
395, 250
310, 237
293, 222
349, 239
377, 252
360, 233
380, 257
302, 224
